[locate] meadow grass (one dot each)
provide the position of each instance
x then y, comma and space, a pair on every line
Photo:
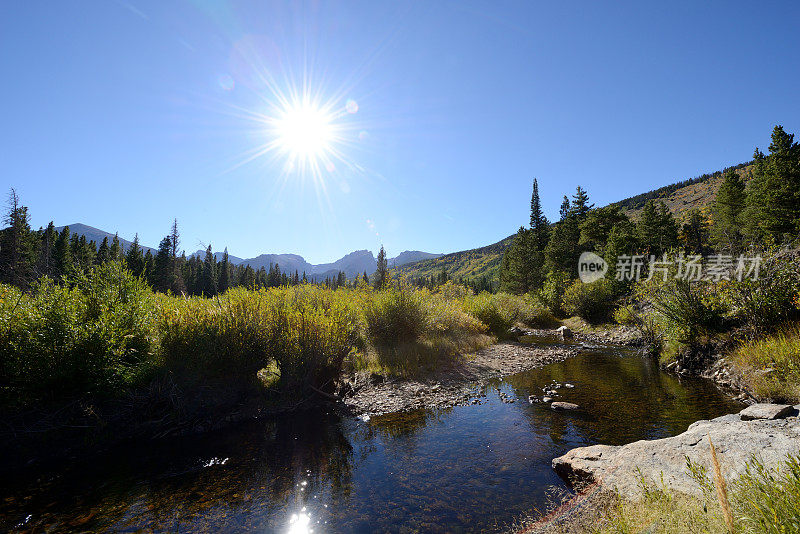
106, 333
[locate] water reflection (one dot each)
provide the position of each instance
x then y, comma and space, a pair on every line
443, 471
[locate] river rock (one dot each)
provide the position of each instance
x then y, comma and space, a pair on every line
766, 411
564, 332
567, 406
546, 399
736, 441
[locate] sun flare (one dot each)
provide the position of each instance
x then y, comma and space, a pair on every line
304, 132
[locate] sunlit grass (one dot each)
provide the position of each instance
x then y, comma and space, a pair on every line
771, 366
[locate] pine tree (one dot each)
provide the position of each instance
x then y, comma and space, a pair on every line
562, 251
580, 204
539, 223
45, 266
209, 274
174, 239
163, 266
102, 252
622, 240
63, 254
657, 229
597, 226
134, 259
564, 211
382, 271
773, 193
224, 276
729, 204
515, 268
148, 267
17, 245
115, 250
694, 233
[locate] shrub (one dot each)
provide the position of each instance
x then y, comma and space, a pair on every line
95, 336
685, 311
396, 316
552, 291
626, 315
592, 302
313, 330
489, 309
769, 300
226, 337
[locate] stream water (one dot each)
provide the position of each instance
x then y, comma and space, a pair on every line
466, 469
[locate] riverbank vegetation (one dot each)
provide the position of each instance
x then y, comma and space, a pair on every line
759, 500
105, 332
715, 283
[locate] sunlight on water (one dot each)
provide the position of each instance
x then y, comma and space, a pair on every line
300, 524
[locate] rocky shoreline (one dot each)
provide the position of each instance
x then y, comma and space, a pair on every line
373, 394
767, 431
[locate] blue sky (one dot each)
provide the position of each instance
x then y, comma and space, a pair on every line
125, 114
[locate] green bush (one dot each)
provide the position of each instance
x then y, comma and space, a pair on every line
761, 304
396, 316
593, 302
626, 315
489, 309
226, 337
552, 292
684, 311
96, 335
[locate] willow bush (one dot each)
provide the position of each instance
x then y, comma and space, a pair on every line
96, 335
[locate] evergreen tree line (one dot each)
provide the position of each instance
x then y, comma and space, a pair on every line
476, 284
26, 255
764, 211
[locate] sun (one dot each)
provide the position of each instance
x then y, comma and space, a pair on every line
305, 132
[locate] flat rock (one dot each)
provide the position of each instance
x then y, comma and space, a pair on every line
564, 406
736, 442
766, 411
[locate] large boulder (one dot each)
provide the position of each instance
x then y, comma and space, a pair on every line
736, 440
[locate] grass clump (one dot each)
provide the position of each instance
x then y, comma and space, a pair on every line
771, 366
306, 331
412, 330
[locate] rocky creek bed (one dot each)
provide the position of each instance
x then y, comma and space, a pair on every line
459, 385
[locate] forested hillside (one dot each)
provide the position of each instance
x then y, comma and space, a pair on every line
480, 267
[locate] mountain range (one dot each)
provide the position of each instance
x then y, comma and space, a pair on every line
679, 197
353, 264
